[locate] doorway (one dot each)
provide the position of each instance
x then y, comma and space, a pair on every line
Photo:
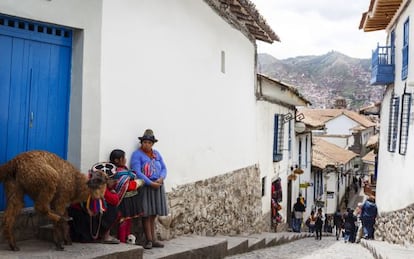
35, 68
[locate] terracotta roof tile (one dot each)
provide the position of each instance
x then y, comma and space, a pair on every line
373, 140
243, 15
322, 116
325, 153
370, 157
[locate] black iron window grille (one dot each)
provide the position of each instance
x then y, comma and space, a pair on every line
393, 124
405, 122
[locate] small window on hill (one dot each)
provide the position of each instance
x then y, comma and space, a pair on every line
223, 62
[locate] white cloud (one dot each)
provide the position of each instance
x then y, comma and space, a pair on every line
315, 27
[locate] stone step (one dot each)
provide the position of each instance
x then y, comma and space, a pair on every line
190, 247
236, 245
36, 248
256, 243
45, 232
383, 250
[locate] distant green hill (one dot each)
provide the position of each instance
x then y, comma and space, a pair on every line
322, 79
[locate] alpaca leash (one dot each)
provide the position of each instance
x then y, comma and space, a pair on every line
95, 236
95, 206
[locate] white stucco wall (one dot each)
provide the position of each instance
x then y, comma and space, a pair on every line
161, 70
331, 180
156, 64
395, 182
272, 170
341, 125
306, 177
85, 18
366, 134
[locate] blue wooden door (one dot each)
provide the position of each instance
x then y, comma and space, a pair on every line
34, 86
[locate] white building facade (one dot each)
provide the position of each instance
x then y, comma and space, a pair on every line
396, 146
280, 148
177, 67
392, 66
186, 69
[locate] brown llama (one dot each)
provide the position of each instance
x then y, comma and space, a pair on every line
52, 183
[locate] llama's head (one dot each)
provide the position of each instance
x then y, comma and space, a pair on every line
97, 183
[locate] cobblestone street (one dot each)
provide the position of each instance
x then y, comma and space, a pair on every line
309, 248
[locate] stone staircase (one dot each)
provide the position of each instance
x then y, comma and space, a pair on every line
180, 247
220, 246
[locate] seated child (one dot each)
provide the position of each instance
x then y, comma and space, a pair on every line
131, 203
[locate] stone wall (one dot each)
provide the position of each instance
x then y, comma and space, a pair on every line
229, 204
396, 227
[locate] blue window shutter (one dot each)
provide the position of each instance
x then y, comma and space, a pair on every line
405, 50
277, 138
393, 47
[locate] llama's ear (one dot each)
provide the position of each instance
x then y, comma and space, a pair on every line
90, 174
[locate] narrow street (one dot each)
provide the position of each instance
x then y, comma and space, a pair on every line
309, 248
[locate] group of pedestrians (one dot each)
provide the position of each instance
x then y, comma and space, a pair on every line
352, 225
314, 222
130, 193
356, 224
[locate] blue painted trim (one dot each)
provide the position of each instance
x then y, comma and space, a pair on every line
36, 31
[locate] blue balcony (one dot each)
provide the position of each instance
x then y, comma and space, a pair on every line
382, 66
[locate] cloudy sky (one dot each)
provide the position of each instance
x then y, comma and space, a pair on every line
315, 27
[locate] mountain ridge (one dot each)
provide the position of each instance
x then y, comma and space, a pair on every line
324, 78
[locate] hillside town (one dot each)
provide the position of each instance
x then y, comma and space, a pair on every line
122, 138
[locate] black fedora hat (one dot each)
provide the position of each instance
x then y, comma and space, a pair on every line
148, 135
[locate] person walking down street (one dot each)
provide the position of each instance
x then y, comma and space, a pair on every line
327, 226
357, 214
150, 167
339, 222
349, 226
298, 210
318, 224
369, 213
311, 221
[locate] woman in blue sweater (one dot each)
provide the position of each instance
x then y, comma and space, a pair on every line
150, 167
